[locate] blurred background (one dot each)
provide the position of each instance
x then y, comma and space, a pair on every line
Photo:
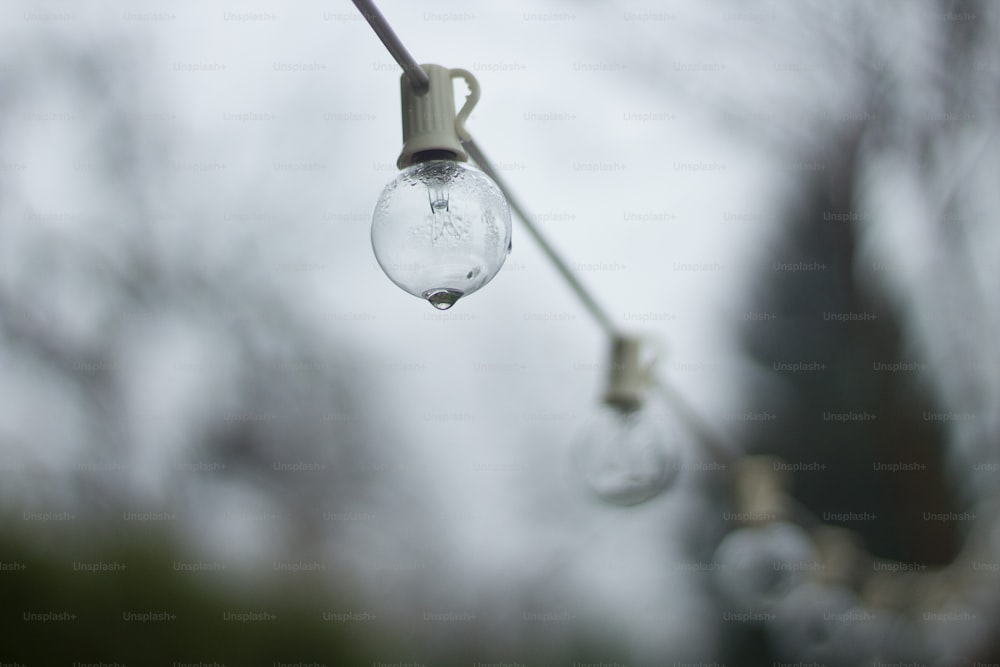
227, 438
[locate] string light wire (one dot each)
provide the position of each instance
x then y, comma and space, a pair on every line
712, 442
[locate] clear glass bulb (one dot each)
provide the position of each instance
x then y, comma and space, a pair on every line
441, 230
759, 565
627, 457
814, 622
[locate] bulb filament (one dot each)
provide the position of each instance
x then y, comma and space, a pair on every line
441, 222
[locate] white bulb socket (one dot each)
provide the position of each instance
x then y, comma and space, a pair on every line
430, 125
628, 377
761, 489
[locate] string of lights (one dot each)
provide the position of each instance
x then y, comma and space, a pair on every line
627, 459
806, 582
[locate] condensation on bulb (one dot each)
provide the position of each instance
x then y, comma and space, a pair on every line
627, 457
441, 230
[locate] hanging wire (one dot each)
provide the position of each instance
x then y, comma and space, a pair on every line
588, 300
412, 69
705, 434
718, 447
711, 440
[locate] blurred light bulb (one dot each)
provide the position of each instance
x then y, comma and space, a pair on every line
624, 455
441, 230
760, 564
629, 453
813, 623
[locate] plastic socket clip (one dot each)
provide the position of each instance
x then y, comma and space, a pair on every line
430, 125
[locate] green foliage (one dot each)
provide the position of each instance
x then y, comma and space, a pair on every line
102, 591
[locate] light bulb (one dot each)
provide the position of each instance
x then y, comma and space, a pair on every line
629, 452
441, 230
760, 564
809, 623
627, 456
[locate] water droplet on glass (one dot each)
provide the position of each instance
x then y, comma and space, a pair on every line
442, 299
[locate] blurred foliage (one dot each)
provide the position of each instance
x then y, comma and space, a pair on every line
46, 569
148, 583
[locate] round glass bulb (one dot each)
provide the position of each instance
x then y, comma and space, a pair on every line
441, 230
759, 565
813, 622
627, 457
